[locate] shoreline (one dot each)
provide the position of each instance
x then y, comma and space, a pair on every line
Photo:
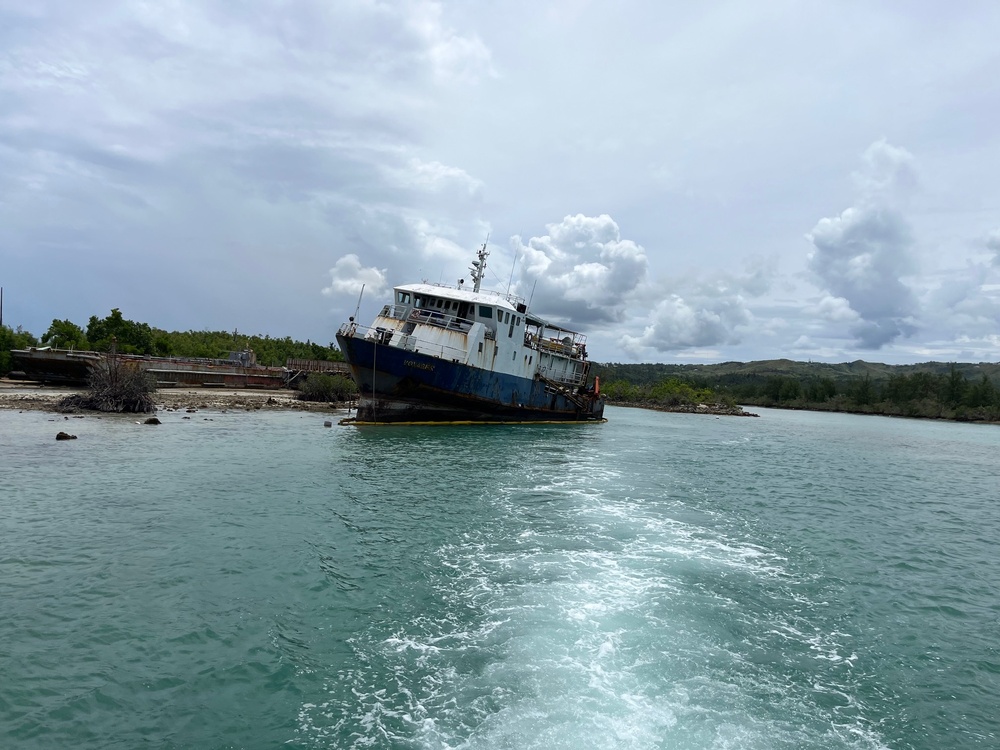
21, 395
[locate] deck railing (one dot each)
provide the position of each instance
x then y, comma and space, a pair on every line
574, 379
406, 341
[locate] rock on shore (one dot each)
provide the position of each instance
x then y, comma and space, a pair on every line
716, 409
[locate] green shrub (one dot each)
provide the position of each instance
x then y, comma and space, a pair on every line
323, 387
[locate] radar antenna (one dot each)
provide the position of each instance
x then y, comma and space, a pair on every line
479, 266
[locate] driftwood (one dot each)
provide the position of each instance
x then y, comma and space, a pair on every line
115, 385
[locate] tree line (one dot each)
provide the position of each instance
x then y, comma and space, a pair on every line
131, 337
933, 389
920, 394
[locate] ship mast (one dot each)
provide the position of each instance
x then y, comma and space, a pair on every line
479, 267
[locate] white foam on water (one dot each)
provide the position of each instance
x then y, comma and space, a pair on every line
608, 624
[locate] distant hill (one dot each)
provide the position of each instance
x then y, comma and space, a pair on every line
742, 373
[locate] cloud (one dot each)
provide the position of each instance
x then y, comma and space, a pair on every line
704, 313
454, 57
834, 309
889, 174
585, 273
255, 144
993, 245
212, 136
434, 177
582, 270
863, 254
348, 277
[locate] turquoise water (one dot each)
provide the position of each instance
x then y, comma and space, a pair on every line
255, 580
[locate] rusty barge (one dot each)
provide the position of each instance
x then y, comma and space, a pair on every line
70, 367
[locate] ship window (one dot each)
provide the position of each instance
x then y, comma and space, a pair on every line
480, 347
418, 301
485, 312
403, 298
513, 356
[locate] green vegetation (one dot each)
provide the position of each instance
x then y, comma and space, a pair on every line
672, 392
930, 389
322, 387
129, 337
12, 339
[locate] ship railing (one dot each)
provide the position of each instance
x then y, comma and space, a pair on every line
572, 379
440, 320
564, 347
396, 312
401, 340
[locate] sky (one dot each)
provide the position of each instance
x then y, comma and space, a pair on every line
682, 182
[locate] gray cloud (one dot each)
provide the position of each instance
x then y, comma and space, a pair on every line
231, 154
235, 154
862, 255
993, 245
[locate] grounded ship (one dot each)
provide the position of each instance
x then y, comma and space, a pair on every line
453, 354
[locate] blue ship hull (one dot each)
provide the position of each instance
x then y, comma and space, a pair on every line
397, 385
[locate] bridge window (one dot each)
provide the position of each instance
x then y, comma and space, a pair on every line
403, 298
485, 312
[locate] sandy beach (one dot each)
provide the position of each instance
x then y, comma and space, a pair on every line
22, 395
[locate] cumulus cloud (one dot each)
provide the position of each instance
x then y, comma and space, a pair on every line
700, 313
582, 270
348, 276
834, 309
862, 255
889, 174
